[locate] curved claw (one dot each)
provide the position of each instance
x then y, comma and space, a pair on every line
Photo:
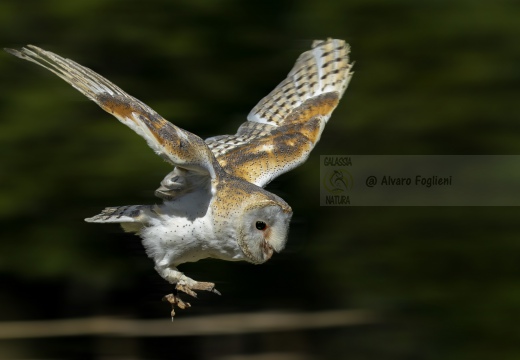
215, 291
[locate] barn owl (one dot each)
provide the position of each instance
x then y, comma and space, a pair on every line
214, 204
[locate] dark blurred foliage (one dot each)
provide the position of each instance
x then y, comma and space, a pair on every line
432, 77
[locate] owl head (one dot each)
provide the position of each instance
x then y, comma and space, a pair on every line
263, 227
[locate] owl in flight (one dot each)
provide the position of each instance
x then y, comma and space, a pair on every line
213, 202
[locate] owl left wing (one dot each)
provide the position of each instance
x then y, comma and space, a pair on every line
283, 128
177, 146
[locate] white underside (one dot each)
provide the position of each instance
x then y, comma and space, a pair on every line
179, 234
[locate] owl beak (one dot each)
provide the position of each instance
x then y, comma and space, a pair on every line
267, 250
276, 249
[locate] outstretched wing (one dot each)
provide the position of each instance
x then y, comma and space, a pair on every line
177, 146
283, 127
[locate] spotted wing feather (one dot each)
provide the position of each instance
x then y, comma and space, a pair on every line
284, 126
119, 214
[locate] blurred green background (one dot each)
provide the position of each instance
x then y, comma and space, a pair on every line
431, 77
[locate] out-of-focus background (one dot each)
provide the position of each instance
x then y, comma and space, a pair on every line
431, 77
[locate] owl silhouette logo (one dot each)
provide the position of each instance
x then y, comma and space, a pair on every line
338, 181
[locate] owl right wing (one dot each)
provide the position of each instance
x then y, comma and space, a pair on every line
283, 128
177, 146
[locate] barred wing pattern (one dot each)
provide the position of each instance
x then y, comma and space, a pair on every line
284, 126
177, 146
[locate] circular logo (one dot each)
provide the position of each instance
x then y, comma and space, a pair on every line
337, 181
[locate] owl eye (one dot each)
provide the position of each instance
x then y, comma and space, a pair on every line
260, 225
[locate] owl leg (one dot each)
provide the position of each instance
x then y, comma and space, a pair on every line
184, 284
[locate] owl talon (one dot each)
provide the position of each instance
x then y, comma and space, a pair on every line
186, 289
175, 300
197, 285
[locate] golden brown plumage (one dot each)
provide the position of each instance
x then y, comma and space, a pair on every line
214, 204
